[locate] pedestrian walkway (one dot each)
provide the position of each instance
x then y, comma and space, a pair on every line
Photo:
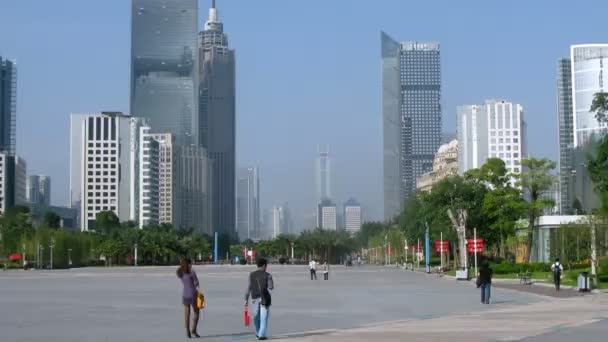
502, 323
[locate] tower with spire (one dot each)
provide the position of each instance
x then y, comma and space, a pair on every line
217, 119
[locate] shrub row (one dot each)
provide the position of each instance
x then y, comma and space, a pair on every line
507, 267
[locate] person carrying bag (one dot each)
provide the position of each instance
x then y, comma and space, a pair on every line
259, 286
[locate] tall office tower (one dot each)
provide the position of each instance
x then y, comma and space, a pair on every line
323, 174
8, 106
566, 133
195, 197
38, 190
12, 181
411, 114
276, 221
164, 68
168, 196
352, 216
104, 166
286, 219
148, 196
495, 129
327, 215
217, 118
248, 203
588, 65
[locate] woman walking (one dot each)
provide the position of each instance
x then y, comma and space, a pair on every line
190, 282
326, 271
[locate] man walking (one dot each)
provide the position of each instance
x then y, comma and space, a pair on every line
326, 271
260, 282
313, 269
557, 269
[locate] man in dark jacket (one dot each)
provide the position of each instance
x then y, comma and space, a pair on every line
485, 282
260, 282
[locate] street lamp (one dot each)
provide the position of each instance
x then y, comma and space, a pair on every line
52, 245
69, 257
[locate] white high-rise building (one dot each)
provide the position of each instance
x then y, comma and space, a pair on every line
588, 62
495, 129
248, 203
276, 221
104, 166
148, 197
327, 215
38, 190
352, 216
168, 197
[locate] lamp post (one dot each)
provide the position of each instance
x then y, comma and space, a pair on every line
69, 257
52, 245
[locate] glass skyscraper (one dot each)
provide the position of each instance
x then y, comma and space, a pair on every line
588, 65
217, 119
323, 174
164, 68
411, 112
8, 106
566, 133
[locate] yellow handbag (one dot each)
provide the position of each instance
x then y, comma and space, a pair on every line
200, 300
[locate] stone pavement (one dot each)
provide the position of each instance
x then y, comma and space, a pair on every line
583, 318
143, 304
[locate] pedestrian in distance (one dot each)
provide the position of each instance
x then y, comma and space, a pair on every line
557, 269
190, 283
484, 281
259, 286
326, 271
313, 269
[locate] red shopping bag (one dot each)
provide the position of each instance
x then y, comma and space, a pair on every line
247, 318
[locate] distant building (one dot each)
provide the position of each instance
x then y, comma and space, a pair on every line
248, 203
12, 181
327, 215
216, 118
352, 216
148, 196
8, 107
104, 165
566, 133
495, 129
194, 189
411, 115
276, 222
68, 217
445, 165
38, 190
323, 173
168, 194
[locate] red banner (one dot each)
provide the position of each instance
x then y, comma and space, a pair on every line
475, 245
441, 245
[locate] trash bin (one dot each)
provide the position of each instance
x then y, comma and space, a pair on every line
583, 282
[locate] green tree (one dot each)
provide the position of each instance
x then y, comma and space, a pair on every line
535, 179
52, 220
106, 222
599, 106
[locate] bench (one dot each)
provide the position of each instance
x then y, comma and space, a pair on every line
525, 278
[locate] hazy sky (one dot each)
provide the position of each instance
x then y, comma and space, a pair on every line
308, 72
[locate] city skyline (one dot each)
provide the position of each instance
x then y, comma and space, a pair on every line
469, 77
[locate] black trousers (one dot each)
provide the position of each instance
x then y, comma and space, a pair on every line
326, 275
557, 280
313, 274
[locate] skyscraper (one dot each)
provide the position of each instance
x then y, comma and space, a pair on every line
38, 190
411, 112
193, 187
217, 118
327, 215
323, 173
164, 69
248, 203
495, 129
168, 197
8, 106
588, 65
566, 133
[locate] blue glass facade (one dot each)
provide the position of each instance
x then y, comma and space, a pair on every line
164, 68
8, 106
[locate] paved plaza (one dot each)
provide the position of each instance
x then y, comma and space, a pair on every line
356, 304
